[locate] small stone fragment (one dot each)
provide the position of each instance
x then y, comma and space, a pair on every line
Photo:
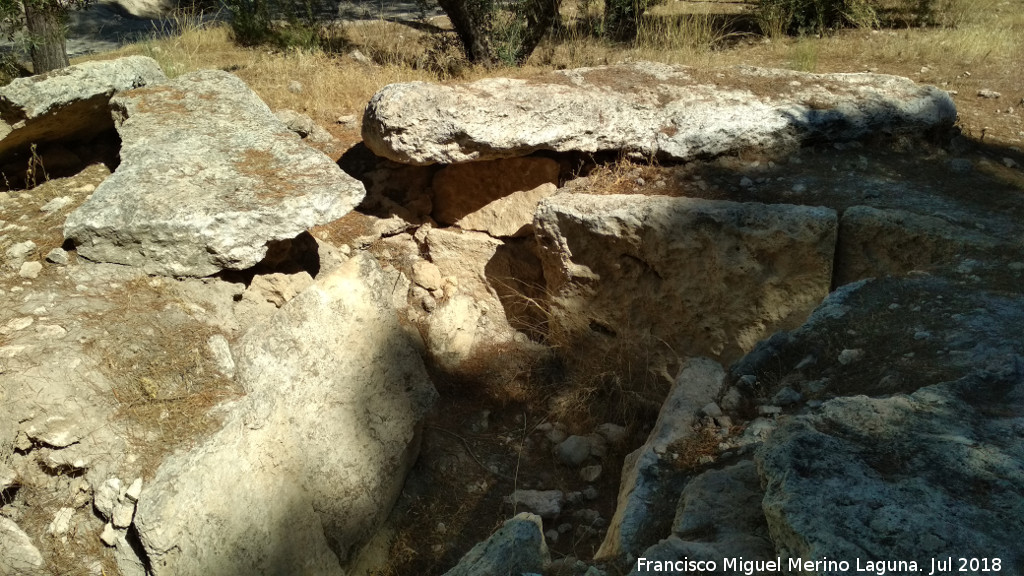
221, 352
106, 497
57, 256
61, 522
613, 433
544, 503
590, 473
134, 491
55, 204
712, 409
991, 94
30, 270
786, 396
848, 356
123, 514
109, 535
427, 275
573, 451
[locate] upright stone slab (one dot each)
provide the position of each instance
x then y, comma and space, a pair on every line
676, 277
68, 104
645, 108
310, 462
208, 177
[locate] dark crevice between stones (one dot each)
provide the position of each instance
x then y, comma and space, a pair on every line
28, 168
135, 543
8, 495
288, 256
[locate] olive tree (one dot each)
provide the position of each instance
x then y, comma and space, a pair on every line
46, 24
493, 31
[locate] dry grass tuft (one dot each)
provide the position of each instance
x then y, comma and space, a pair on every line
165, 381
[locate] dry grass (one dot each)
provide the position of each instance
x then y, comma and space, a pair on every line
165, 381
982, 38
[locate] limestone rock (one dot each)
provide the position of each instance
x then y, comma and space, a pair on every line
486, 276
498, 197
208, 178
645, 108
68, 104
310, 461
152, 9
544, 503
59, 430
106, 497
8, 476
680, 276
518, 547
914, 451
20, 557
900, 476
573, 451
30, 270
651, 484
277, 288
454, 332
303, 125
719, 516
874, 242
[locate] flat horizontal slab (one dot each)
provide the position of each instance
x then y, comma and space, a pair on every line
652, 109
208, 177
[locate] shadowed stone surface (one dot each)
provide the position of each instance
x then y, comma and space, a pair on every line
310, 462
681, 276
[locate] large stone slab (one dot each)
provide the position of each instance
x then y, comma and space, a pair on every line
18, 555
497, 197
915, 450
875, 242
208, 177
68, 104
309, 463
651, 479
718, 517
645, 108
934, 474
518, 547
679, 277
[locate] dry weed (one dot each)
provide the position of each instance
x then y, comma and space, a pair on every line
165, 381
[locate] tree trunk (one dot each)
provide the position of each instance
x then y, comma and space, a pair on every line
46, 35
472, 22
540, 18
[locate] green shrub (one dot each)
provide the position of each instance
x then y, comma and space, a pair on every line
281, 23
622, 17
814, 16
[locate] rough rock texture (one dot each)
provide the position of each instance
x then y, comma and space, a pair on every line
517, 547
208, 177
874, 242
68, 104
309, 463
303, 125
480, 310
646, 108
917, 450
719, 516
144, 8
681, 276
935, 473
498, 197
651, 483
18, 556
